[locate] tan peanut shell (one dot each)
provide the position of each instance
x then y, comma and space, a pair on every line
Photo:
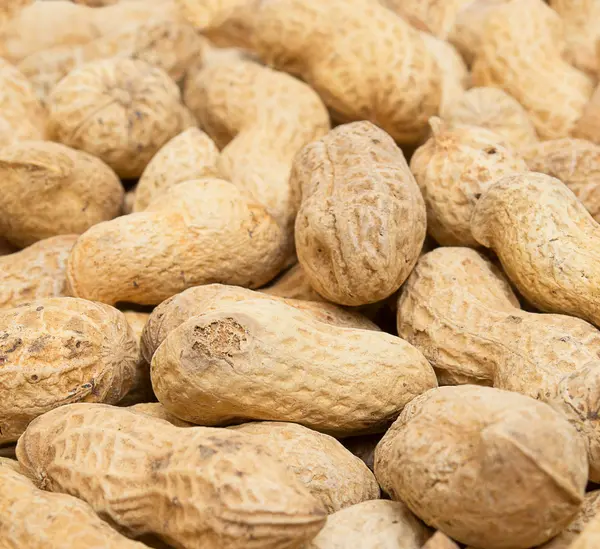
169, 45
6, 248
590, 537
193, 488
489, 468
589, 509
57, 351
546, 241
374, 66
460, 312
521, 53
293, 284
48, 189
361, 223
452, 169
588, 125
189, 155
36, 272
194, 233
371, 525
10, 8
576, 162
120, 110
266, 360
581, 20
176, 310
494, 110
260, 118
440, 541
157, 410
35, 519
330, 472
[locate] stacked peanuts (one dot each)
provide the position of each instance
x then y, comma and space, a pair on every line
299, 274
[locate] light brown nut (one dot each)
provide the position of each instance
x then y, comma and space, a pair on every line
260, 118
194, 233
590, 508
128, 202
36, 519
190, 155
494, 110
460, 312
293, 284
157, 410
487, 467
361, 224
168, 45
387, 76
136, 320
546, 241
363, 447
194, 488
61, 350
330, 472
371, 525
267, 360
36, 272
576, 162
521, 53
581, 20
120, 110
10, 8
48, 189
440, 541
452, 169
590, 537
176, 310
588, 126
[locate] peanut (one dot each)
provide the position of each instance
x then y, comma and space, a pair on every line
48, 189
588, 125
452, 169
173, 312
361, 223
120, 110
293, 284
157, 410
487, 467
494, 110
36, 272
193, 488
371, 525
194, 233
57, 351
267, 360
546, 241
460, 312
521, 53
440, 541
575, 162
590, 537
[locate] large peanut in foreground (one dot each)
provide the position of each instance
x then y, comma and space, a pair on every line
489, 468
58, 351
361, 224
194, 488
268, 360
548, 243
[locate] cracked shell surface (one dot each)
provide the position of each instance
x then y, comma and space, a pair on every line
576, 162
48, 189
193, 488
36, 272
460, 312
330, 472
452, 169
57, 351
176, 310
120, 110
194, 233
361, 223
546, 241
377, 524
260, 118
267, 360
189, 155
490, 468
33, 518
365, 62
521, 53
294, 284
494, 110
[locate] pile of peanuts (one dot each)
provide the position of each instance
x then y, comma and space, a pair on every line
299, 274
